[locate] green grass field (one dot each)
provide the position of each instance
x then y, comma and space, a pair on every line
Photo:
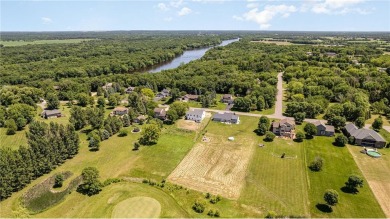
285, 186
137, 207
275, 184
13, 141
338, 165
24, 43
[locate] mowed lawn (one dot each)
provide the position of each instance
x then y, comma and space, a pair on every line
338, 166
158, 161
276, 184
13, 141
114, 159
102, 205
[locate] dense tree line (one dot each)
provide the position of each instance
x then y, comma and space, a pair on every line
49, 146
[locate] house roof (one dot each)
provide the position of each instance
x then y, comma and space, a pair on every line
51, 112
328, 128
195, 112
288, 121
363, 133
141, 117
120, 109
275, 124
227, 96
191, 96
351, 128
158, 110
226, 116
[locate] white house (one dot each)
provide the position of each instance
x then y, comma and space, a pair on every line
196, 115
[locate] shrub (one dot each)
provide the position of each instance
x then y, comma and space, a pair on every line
299, 136
207, 196
198, 207
331, 197
11, 127
353, 183
316, 164
58, 180
216, 213
341, 140
269, 136
270, 214
310, 130
136, 146
210, 213
123, 133
351, 140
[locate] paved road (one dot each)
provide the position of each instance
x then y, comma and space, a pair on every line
279, 98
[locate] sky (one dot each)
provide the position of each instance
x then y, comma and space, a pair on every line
292, 15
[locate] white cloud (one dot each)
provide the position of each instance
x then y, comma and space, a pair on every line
184, 11
46, 20
176, 3
264, 17
333, 6
252, 5
162, 7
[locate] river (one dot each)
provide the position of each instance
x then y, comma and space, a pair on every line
186, 57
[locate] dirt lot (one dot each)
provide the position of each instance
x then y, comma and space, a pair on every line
217, 167
376, 171
192, 125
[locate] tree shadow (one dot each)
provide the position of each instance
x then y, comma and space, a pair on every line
324, 208
309, 137
337, 145
348, 190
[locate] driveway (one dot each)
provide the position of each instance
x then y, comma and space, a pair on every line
279, 98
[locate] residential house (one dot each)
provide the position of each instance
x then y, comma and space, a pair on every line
227, 98
284, 127
140, 118
226, 117
196, 115
48, 114
107, 86
189, 97
160, 113
365, 137
163, 93
129, 90
324, 130
331, 54
119, 111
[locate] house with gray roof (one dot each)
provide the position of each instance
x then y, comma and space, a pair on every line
284, 127
365, 137
196, 115
160, 113
226, 117
323, 129
48, 114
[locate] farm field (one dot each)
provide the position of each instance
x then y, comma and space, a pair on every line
24, 43
338, 165
218, 166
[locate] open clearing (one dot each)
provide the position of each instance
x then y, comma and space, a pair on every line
218, 166
279, 43
137, 207
376, 171
277, 184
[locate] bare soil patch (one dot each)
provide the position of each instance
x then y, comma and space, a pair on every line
188, 124
218, 167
